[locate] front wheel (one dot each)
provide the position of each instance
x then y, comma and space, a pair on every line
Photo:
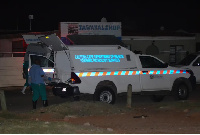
182, 92
105, 94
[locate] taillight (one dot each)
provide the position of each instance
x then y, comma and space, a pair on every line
74, 78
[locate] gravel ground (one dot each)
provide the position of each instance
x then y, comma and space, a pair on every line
145, 116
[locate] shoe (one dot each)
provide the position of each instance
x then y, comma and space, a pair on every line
45, 103
22, 92
34, 104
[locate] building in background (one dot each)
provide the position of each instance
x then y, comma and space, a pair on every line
93, 32
13, 44
169, 46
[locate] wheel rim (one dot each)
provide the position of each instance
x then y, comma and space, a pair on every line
106, 96
182, 92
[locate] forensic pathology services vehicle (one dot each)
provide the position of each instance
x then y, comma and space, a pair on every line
107, 70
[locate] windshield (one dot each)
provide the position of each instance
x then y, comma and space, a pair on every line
187, 60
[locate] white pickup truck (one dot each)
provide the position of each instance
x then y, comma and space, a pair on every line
107, 70
192, 61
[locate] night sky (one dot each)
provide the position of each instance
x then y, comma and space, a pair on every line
141, 15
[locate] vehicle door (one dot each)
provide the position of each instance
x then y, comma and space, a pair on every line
46, 64
153, 75
195, 66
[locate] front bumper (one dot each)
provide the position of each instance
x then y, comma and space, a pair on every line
192, 80
65, 90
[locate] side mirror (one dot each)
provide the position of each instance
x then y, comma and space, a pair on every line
165, 65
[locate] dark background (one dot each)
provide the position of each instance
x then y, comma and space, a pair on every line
141, 15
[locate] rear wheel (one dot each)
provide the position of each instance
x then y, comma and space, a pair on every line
105, 94
181, 89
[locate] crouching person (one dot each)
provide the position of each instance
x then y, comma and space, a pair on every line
36, 78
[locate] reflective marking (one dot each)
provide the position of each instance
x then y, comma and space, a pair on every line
97, 73
171, 72
165, 72
138, 72
123, 73
130, 73
84, 74
151, 72
92, 74
108, 73
100, 73
158, 72
118, 73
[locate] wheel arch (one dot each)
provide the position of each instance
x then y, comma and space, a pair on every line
181, 94
106, 83
181, 80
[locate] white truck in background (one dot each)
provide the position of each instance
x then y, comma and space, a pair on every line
105, 71
192, 62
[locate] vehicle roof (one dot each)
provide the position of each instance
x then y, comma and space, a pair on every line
95, 47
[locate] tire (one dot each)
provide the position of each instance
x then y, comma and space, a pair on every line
182, 92
181, 89
105, 94
157, 98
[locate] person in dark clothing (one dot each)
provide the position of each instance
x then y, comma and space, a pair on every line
36, 75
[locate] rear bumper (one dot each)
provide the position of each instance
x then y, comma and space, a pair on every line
65, 90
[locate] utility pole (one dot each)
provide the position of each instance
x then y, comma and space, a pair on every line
30, 18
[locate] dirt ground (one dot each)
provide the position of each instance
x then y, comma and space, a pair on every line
145, 116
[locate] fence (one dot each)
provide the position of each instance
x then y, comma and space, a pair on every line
11, 71
11, 67
12, 54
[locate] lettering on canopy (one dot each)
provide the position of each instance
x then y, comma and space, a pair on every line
99, 58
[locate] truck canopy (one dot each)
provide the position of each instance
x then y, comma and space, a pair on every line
44, 46
37, 49
53, 42
106, 57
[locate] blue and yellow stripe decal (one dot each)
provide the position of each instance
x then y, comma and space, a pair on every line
114, 73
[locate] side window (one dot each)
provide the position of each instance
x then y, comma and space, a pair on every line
50, 63
128, 57
150, 62
197, 62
